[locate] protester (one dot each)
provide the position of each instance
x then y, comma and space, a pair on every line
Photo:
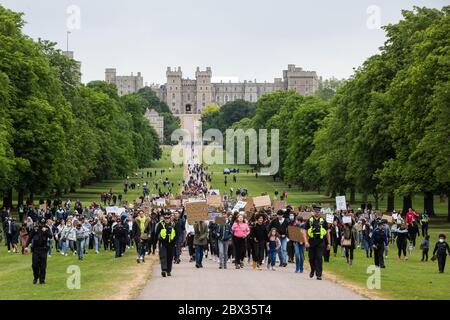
273, 245
299, 248
425, 247
402, 241
140, 234
349, 236
200, 241
440, 252
223, 234
259, 236
281, 224
240, 230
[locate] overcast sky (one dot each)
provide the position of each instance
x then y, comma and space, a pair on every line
244, 39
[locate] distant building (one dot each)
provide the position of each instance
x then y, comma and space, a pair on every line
185, 96
69, 54
157, 122
125, 84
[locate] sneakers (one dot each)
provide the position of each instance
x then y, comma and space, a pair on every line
238, 266
34, 281
197, 265
169, 274
220, 267
273, 269
138, 260
311, 274
319, 278
260, 267
163, 274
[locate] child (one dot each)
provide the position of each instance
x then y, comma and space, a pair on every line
273, 245
425, 246
441, 248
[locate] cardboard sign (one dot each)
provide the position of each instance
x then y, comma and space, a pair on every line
347, 219
330, 218
220, 220
387, 218
341, 204
215, 201
279, 204
305, 215
160, 202
262, 201
295, 234
249, 205
175, 203
197, 211
239, 205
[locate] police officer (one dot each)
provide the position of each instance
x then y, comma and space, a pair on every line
166, 234
39, 246
315, 233
379, 241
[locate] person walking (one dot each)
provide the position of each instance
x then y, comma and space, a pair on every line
299, 248
281, 224
440, 252
80, 233
259, 236
24, 234
240, 230
141, 233
166, 235
349, 236
179, 228
223, 234
424, 221
273, 245
315, 234
336, 236
200, 241
402, 242
97, 229
379, 241
39, 247
425, 247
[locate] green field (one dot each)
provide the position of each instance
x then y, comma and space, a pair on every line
102, 276
410, 279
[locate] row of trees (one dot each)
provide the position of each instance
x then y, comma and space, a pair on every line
56, 134
386, 130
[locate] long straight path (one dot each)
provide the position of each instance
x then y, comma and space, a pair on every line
212, 283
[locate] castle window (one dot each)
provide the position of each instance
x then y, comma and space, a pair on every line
203, 97
173, 81
226, 98
173, 95
251, 98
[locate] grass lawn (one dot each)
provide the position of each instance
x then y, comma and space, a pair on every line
102, 276
410, 279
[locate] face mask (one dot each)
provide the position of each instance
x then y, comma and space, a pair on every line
441, 240
291, 217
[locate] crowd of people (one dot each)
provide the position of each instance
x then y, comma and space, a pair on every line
259, 237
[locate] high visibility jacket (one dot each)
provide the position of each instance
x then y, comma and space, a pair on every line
316, 228
424, 218
163, 234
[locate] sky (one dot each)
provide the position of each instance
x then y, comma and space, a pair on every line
238, 39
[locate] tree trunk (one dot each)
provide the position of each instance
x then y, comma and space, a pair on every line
428, 203
407, 203
7, 198
333, 194
448, 207
376, 197
390, 202
20, 196
364, 197
352, 195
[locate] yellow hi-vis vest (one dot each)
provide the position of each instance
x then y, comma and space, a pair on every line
312, 231
163, 233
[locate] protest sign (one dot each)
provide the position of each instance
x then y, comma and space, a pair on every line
394, 216
278, 204
249, 205
214, 200
295, 234
341, 204
160, 202
305, 215
347, 219
192, 200
239, 205
175, 203
197, 211
220, 220
262, 201
386, 217
330, 218
111, 209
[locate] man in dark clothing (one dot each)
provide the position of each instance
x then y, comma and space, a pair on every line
166, 235
281, 224
119, 234
179, 229
379, 241
440, 252
316, 232
259, 234
38, 238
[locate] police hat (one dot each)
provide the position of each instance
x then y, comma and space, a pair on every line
167, 215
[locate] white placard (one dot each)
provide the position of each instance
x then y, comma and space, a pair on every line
191, 200
112, 209
239, 205
394, 216
330, 218
160, 202
341, 204
347, 219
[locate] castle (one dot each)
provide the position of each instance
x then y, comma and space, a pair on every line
190, 96
186, 96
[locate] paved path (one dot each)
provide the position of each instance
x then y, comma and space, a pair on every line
211, 283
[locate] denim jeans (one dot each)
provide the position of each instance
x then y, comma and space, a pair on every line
86, 244
223, 252
50, 246
272, 257
282, 254
299, 257
179, 242
80, 246
198, 254
141, 248
98, 241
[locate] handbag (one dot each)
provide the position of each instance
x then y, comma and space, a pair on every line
346, 242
